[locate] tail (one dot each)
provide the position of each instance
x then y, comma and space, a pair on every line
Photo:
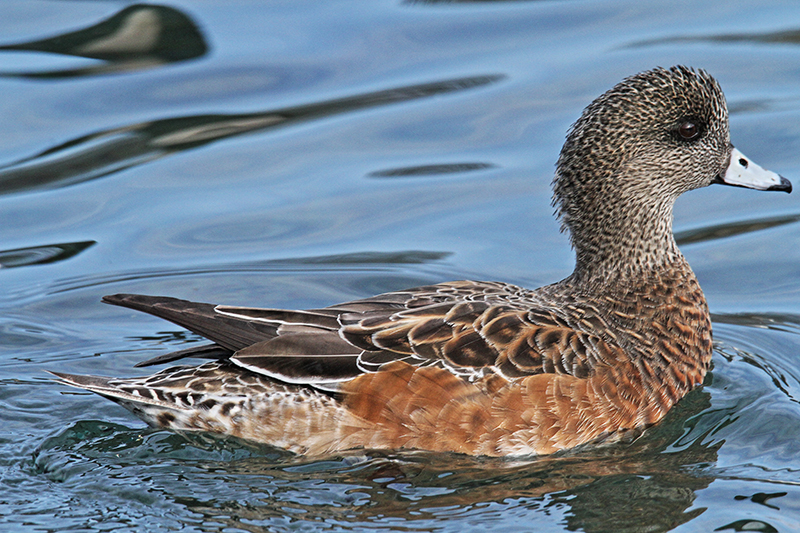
105, 387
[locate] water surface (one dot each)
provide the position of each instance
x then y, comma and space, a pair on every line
305, 153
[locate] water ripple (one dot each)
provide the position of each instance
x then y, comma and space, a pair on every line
106, 152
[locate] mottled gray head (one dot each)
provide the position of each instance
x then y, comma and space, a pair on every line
632, 152
652, 137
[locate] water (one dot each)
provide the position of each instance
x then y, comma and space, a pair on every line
302, 154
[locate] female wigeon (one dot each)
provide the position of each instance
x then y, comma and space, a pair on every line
486, 368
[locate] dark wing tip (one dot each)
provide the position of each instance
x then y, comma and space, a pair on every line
62, 375
134, 301
115, 299
59, 375
80, 381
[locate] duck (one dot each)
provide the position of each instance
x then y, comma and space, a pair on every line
475, 367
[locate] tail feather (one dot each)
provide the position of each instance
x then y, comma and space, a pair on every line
231, 333
103, 386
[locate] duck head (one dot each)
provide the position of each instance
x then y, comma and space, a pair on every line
632, 152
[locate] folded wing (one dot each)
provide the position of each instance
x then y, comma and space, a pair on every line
471, 335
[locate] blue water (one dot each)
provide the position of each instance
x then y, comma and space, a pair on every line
305, 153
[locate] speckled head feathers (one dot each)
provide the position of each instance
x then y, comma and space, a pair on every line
625, 160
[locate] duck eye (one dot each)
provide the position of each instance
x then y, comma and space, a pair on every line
688, 131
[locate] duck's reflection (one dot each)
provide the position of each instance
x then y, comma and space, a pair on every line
140, 36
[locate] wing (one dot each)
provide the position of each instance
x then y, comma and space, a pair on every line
470, 329
291, 346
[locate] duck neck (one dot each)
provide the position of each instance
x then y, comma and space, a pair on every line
621, 244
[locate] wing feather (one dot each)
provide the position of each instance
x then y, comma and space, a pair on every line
470, 329
206, 351
229, 332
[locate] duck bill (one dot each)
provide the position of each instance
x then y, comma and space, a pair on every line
742, 172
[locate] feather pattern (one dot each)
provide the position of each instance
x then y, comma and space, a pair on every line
482, 368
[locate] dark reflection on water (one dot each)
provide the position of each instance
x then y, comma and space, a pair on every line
368, 258
763, 499
40, 255
430, 170
777, 321
103, 153
138, 37
748, 525
730, 229
779, 37
328, 263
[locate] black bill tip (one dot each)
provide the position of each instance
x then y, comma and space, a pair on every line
785, 186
